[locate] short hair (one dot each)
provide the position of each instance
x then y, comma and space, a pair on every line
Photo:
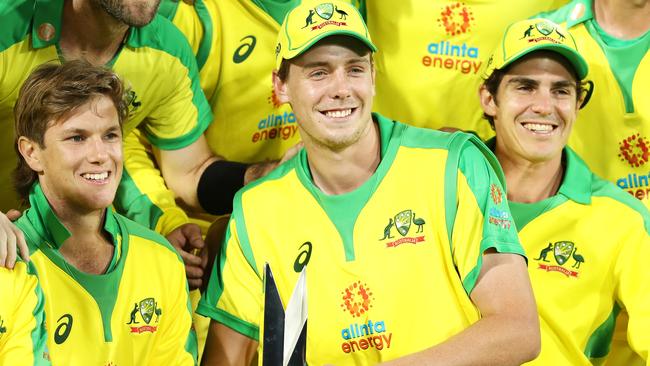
494, 80
51, 93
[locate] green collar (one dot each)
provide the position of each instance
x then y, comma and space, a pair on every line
46, 25
581, 12
48, 225
576, 183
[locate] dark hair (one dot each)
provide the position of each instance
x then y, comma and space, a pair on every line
50, 94
494, 80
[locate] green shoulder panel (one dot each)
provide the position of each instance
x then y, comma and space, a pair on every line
163, 36
416, 137
15, 17
561, 14
136, 229
603, 188
168, 8
134, 204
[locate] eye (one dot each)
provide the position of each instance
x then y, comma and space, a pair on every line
112, 136
357, 70
76, 138
317, 74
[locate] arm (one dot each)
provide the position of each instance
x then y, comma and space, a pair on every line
11, 238
508, 331
225, 346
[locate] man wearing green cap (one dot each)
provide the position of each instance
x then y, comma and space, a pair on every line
585, 237
400, 235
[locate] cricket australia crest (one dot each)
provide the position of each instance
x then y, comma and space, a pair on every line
562, 251
325, 10
403, 222
147, 309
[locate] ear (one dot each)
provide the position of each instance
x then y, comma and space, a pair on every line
31, 152
280, 88
487, 101
373, 73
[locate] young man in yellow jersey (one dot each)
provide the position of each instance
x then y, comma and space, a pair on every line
425, 287
114, 292
585, 238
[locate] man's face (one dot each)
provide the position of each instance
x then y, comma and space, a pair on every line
80, 165
135, 13
330, 88
535, 108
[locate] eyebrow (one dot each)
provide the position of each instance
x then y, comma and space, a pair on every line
529, 81
351, 61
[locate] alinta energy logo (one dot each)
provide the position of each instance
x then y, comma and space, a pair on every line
276, 125
402, 222
497, 217
145, 310
455, 20
634, 151
325, 11
563, 252
357, 300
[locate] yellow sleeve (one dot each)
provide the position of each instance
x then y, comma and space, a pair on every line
177, 344
22, 320
483, 218
142, 195
234, 296
634, 290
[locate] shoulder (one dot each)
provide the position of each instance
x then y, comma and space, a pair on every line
614, 198
565, 12
140, 235
16, 18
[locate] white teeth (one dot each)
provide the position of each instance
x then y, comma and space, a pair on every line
339, 114
538, 127
99, 176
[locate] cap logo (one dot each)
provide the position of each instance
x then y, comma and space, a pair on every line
278, 48
546, 30
325, 11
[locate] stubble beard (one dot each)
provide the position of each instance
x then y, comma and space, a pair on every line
140, 15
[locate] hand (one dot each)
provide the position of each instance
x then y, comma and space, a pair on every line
259, 170
11, 238
188, 242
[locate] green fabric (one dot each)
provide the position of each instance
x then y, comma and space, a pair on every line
39, 333
15, 17
524, 213
623, 56
46, 11
343, 209
134, 204
600, 341
206, 42
277, 9
168, 8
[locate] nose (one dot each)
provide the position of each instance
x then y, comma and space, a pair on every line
340, 87
97, 150
542, 102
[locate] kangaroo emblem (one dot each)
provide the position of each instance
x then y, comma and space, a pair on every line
135, 310
528, 32
544, 253
387, 230
310, 18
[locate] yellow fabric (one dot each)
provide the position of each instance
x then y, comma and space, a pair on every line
22, 326
431, 53
602, 268
354, 315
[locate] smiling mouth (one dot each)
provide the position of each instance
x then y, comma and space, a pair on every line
96, 177
338, 113
540, 128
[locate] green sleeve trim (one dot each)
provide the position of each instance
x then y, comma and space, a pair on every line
192, 342
163, 36
168, 9
135, 205
206, 42
242, 232
38, 334
600, 340
240, 326
451, 177
469, 282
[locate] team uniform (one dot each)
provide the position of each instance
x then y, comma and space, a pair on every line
361, 249
584, 246
155, 61
22, 322
431, 54
137, 313
612, 131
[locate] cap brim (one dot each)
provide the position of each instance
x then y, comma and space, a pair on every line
299, 51
579, 64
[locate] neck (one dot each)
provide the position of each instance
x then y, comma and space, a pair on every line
342, 171
623, 19
530, 182
89, 32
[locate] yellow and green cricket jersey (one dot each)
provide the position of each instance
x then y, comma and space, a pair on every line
155, 61
22, 320
612, 133
585, 247
383, 277
431, 54
137, 313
